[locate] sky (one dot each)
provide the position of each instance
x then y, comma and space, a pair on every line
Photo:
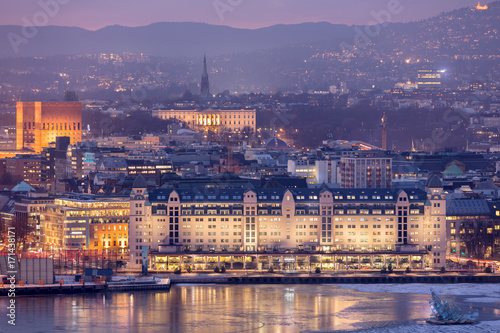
96, 14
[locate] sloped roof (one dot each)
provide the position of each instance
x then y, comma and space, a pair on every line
277, 144
467, 207
453, 170
139, 182
300, 195
114, 163
488, 184
23, 187
433, 182
9, 207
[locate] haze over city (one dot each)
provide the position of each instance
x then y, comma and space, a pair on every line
94, 14
250, 166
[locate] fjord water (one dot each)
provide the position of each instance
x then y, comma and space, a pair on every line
221, 308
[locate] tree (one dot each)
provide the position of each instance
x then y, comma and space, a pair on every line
246, 132
477, 237
25, 231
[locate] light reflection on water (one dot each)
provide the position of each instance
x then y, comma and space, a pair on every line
218, 308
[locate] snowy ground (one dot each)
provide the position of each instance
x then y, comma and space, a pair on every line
485, 326
481, 293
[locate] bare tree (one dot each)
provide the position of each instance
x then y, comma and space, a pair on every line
25, 231
477, 237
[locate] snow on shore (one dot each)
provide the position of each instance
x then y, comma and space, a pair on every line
485, 326
487, 292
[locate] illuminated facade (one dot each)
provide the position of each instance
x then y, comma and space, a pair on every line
39, 123
316, 172
472, 220
27, 168
365, 172
428, 79
479, 7
210, 119
29, 211
313, 220
87, 223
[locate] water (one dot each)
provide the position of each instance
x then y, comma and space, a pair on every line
228, 308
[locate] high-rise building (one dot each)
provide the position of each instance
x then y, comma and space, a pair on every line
430, 79
26, 168
205, 84
365, 172
40, 123
54, 161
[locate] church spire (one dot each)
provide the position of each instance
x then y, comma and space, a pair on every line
205, 73
205, 85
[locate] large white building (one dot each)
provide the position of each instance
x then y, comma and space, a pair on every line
212, 119
349, 221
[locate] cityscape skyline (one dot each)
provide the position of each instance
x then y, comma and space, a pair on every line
221, 158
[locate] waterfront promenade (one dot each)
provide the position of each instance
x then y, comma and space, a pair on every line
123, 283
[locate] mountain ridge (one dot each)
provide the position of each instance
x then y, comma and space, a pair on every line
193, 38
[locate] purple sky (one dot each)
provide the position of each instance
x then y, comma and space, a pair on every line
95, 14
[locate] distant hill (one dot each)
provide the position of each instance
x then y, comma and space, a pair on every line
165, 39
462, 31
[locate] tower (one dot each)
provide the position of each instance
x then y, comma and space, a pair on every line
384, 132
205, 85
139, 209
40, 123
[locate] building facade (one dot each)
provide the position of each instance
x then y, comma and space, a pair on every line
40, 123
27, 168
29, 212
268, 220
473, 227
429, 79
86, 223
211, 119
316, 172
365, 172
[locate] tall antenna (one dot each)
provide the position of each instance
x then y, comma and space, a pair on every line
384, 132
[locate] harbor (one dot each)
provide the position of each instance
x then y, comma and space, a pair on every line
67, 285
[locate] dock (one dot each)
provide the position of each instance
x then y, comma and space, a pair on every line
85, 288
